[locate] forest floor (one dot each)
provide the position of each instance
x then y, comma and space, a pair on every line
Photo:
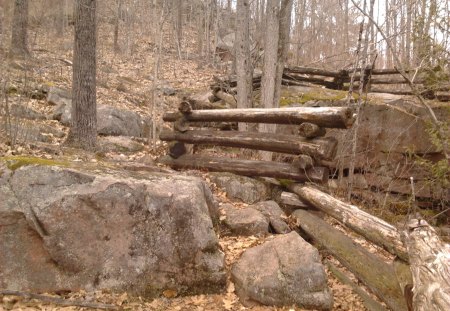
127, 82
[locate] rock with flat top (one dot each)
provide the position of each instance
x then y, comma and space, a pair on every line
245, 221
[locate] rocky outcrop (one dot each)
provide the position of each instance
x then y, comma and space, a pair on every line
66, 229
110, 120
246, 189
288, 272
245, 221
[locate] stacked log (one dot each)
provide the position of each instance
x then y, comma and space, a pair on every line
338, 80
307, 150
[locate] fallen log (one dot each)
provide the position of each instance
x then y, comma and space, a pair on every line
370, 303
332, 117
321, 148
372, 228
247, 167
377, 275
292, 199
310, 130
430, 267
228, 98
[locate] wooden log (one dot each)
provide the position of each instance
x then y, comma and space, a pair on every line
370, 303
312, 71
303, 162
377, 275
181, 125
310, 130
185, 107
332, 117
321, 148
177, 149
292, 199
372, 228
290, 78
247, 167
430, 267
228, 98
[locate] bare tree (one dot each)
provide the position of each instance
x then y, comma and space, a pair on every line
244, 69
83, 132
19, 29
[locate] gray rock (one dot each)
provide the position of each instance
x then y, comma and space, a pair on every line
247, 189
25, 112
31, 131
65, 229
57, 96
288, 271
272, 211
245, 221
118, 144
111, 121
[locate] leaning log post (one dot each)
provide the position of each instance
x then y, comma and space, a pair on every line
430, 267
373, 272
372, 228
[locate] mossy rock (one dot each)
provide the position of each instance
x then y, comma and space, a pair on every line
15, 162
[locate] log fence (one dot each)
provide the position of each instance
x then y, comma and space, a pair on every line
309, 149
339, 80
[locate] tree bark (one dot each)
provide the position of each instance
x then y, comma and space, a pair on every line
430, 267
377, 275
318, 148
19, 31
247, 167
83, 132
244, 69
372, 228
270, 63
330, 117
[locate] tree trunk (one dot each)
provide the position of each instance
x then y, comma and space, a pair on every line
244, 69
430, 267
310, 130
19, 31
283, 46
330, 117
60, 18
270, 64
372, 228
317, 148
116, 26
247, 167
373, 272
83, 132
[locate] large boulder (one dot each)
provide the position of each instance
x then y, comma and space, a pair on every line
65, 229
246, 189
288, 272
111, 121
